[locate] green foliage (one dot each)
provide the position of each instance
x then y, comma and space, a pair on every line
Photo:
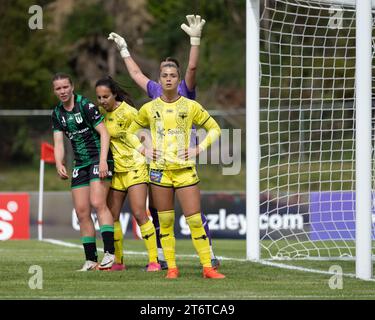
22, 149
223, 37
27, 59
87, 20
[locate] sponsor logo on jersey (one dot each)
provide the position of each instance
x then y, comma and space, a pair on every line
155, 175
175, 131
72, 134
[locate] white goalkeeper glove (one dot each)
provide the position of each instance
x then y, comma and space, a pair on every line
120, 43
194, 29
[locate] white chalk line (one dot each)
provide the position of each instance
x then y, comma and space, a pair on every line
263, 262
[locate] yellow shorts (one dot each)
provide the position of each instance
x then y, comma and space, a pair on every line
121, 181
178, 178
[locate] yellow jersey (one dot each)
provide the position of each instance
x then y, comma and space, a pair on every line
117, 123
170, 125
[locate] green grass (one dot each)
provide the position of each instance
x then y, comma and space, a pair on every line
244, 279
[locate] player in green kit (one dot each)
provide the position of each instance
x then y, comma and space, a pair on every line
80, 120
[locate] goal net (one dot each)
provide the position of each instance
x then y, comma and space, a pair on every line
307, 129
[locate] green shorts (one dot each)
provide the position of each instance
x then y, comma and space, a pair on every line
81, 177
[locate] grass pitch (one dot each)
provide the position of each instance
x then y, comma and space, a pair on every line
245, 280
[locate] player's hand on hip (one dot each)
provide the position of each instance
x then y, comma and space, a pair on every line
189, 153
120, 43
194, 30
151, 154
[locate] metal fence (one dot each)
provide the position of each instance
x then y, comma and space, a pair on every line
23, 130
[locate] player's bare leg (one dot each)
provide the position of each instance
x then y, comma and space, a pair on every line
81, 202
98, 199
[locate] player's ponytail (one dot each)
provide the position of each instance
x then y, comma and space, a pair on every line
121, 94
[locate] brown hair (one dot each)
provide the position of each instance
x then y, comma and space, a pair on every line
170, 59
61, 76
171, 65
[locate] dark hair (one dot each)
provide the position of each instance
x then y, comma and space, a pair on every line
121, 94
170, 59
61, 76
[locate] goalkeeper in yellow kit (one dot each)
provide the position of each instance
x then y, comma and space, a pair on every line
130, 177
172, 164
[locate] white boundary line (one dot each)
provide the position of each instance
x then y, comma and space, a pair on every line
263, 262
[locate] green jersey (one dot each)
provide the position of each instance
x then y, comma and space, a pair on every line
79, 126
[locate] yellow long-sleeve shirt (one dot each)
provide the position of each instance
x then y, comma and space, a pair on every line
117, 123
170, 125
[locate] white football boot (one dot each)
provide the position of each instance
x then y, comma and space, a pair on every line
107, 262
89, 266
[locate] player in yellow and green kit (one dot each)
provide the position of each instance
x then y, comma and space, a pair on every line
172, 167
130, 177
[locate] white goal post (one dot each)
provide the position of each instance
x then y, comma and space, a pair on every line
309, 155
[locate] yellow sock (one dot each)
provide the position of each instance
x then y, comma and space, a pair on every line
118, 238
149, 236
200, 239
167, 239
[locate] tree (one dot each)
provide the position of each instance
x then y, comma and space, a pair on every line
28, 58
221, 67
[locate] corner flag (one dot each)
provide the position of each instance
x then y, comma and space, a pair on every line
46, 155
